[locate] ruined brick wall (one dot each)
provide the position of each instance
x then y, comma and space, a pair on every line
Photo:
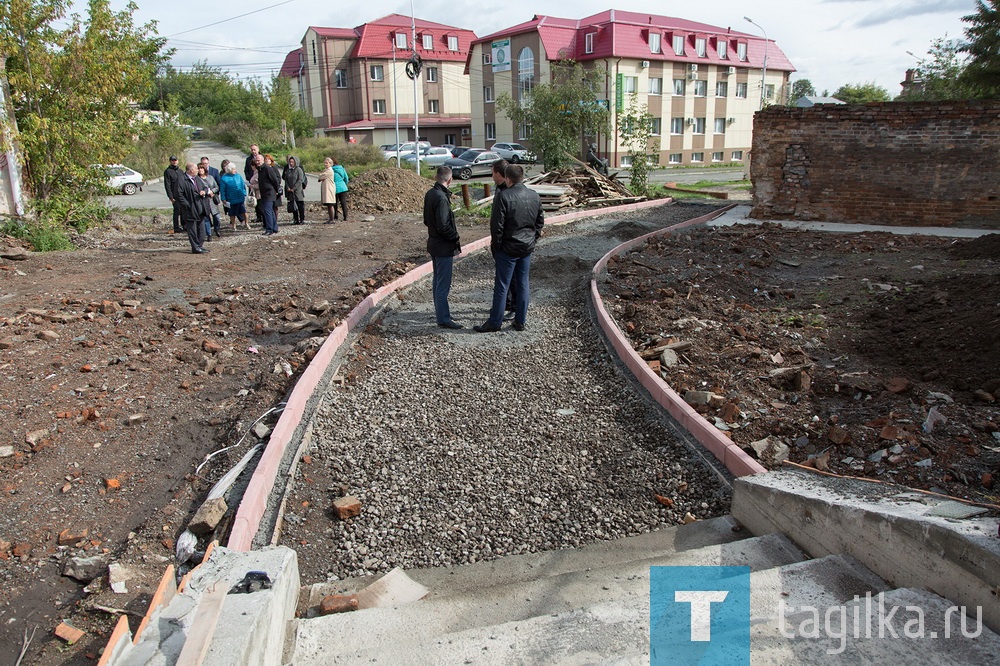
898, 163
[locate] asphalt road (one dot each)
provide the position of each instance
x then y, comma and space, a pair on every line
154, 196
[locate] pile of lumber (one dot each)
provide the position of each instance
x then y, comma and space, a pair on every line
581, 187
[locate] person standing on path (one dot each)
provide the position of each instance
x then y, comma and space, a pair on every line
233, 191
251, 162
443, 243
211, 186
295, 185
515, 226
269, 182
500, 180
340, 180
171, 175
192, 207
328, 189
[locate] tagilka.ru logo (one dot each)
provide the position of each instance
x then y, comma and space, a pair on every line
699, 615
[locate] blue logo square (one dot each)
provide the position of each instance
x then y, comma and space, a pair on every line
699, 615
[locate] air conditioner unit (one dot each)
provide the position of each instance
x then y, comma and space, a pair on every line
732, 70
693, 76
465, 131
690, 121
730, 120
693, 67
645, 64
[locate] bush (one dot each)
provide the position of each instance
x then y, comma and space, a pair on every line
43, 234
153, 148
242, 134
355, 157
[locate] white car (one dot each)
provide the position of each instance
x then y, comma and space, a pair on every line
513, 152
122, 179
430, 157
408, 147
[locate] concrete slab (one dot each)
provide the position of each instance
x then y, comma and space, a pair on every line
890, 534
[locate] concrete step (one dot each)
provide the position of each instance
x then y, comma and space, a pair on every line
446, 581
626, 583
769, 646
612, 630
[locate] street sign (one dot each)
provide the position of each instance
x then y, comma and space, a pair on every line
501, 55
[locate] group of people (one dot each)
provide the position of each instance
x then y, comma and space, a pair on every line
198, 191
515, 226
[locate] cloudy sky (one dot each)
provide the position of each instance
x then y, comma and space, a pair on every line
830, 42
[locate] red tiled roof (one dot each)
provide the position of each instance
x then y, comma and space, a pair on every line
625, 34
375, 38
404, 123
343, 33
292, 65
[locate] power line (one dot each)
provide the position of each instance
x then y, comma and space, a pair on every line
256, 11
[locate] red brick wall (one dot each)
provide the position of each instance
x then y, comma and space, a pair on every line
896, 163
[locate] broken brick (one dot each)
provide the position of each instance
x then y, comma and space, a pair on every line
347, 507
338, 603
68, 633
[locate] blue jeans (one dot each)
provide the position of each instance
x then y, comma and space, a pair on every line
442, 287
510, 270
270, 219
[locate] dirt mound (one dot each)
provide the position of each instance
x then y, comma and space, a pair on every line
388, 190
984, 247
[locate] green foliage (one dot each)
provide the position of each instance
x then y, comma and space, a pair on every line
982, 73
355, 157
153, 147
861, 93
941, 74
44, 236
802, 88
559, 114
635, 127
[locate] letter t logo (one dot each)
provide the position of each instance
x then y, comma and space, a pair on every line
701, 610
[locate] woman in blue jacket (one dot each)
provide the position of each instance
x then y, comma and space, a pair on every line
340, 180
233, 192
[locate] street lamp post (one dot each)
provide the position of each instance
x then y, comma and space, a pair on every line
763, 74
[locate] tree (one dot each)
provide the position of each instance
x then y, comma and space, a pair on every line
72, 87
802, 88
635, 127
941, 74
982, 73
559, 114
861, 93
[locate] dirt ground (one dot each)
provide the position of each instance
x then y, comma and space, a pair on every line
865, 355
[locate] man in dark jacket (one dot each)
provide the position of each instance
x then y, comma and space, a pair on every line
269, 182
170, 177
191, 202
515, 227
251, 160
442, 243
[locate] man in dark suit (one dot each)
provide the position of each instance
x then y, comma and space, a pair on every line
212, 171
191, 202
269, 182
170, 177
251, 160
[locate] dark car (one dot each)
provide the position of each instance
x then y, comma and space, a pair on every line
473, 162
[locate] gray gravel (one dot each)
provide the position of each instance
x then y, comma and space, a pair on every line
465, 447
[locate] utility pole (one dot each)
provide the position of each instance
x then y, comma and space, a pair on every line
763, 73
416, 80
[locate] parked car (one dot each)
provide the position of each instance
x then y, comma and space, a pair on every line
473, 162
434, 157
408, 147
122, 179
513, 152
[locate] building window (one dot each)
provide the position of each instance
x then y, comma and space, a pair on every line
654, 126
626, 160
378, 107
487, 56
697, 157
314, 51
588, 42
491, 131
737, 155
432, 106
741, 90
452, 43
721, 89
432, 74
722, 48
679, 45
699, 125
654, 42
720, 125
487, 94
701, 47
717, 157
400, 40
700, 88
340, 76
376, 73
428, 42
677, 126
741, 51
769, 91
679, 87
524, 131
630, 84
675, 158
525, 73
655, 86
450, 139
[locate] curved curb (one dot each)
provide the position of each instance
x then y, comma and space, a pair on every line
254, 503
733, 457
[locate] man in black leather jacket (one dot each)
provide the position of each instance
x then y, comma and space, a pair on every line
442, 243
515, 227
269, 182
171, 175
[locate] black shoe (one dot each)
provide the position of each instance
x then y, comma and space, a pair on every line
208, 238
517, 327
485, 327
199, 250
450, 324
204, 250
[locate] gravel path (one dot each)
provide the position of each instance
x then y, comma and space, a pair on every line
465, 447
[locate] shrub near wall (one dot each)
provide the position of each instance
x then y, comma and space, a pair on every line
893, 163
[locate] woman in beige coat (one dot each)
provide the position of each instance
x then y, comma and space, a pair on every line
327, 189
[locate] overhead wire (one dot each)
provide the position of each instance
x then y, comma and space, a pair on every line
232, 18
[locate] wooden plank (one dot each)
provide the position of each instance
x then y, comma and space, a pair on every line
203, 626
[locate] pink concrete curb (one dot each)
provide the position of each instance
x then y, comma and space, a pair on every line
254, 502
733, 457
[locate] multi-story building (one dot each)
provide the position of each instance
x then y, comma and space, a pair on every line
354, 81
701, 83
